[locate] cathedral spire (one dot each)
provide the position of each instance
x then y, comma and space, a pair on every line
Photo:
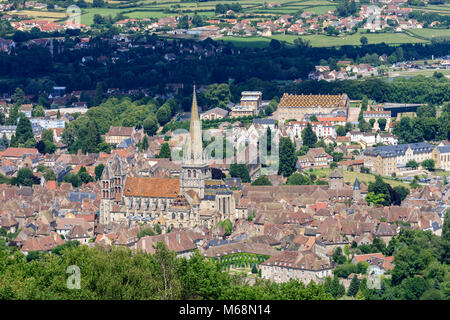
195, 154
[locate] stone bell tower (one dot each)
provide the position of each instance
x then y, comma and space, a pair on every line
194, 168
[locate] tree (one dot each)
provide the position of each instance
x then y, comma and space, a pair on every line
340, 131
354, 287
382, 124
197, 20
334, 287
98, 96
254, 269
99, 170
84, 175
25, 177
363, 40
163, 115
92, 138
146, 232
338, 257
412, 164
375, 199
183, 22
18, 97
428, 164
4, 143
372, 122
24, 132
298, 179
227, 225
445, 240
287, 158
262, 181
402, 192
144, 143
240, 171
38, 111
308, 136
218, 95
164, 152
47, 135
74, 179
150, 125
98, 3
379, 187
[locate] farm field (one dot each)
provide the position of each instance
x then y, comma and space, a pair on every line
431, 33
426, 73
327, 41
42, 14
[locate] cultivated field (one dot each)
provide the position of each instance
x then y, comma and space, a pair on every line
327, 41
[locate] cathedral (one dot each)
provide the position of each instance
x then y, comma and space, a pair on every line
193, 199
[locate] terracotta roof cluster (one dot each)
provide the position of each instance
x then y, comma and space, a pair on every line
45, 243
376, 259
120, 131
152, 187
12, 152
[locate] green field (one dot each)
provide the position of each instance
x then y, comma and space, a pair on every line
349, 177
327, 41
431, 33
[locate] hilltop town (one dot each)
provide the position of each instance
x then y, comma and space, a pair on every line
292, 223
143, 147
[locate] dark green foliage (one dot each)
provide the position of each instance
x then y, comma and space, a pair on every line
380, 187
444, 251
240, 171
146, 232
24, 136
226, 225
25, 177
428, 164
165, 151
287, 158
299, 179
338, 257
354, 287
308, 136
262, 181
150, 125
99, 170
334, 287
412, 164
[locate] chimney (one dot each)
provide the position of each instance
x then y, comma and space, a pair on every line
166, 239
178, 238
143, 244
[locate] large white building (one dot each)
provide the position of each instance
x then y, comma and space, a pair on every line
321, 129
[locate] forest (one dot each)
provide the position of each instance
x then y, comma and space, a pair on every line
36, 70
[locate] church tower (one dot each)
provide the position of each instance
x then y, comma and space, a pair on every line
194, 168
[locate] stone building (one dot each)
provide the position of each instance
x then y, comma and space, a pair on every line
193, 199
293, 106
